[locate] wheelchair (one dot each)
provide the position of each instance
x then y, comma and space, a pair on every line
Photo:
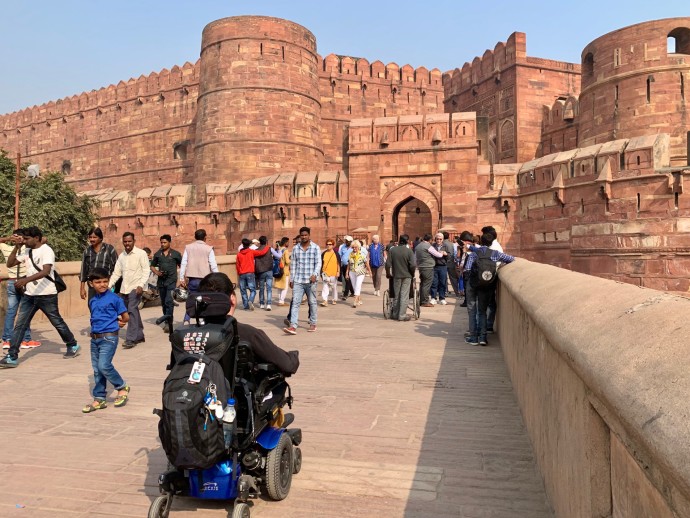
414, 303
264, 453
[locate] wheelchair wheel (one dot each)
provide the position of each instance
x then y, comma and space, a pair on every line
159, 507
386, 305
417, 303
279, 467
297, 466
240, 510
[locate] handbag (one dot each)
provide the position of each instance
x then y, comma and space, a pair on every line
60, 285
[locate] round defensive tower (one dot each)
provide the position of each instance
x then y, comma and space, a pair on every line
636, 81
259, 110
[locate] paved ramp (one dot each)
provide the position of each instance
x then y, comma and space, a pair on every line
400, 420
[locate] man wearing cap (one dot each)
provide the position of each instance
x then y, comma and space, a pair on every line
344, 252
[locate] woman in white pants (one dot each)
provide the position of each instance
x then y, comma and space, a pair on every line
330, 270
357, 268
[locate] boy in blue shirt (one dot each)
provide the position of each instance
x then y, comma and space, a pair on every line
108, 315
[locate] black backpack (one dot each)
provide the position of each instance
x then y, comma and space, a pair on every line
483, 273
190, 438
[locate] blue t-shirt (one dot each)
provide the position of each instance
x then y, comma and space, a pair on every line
105, 308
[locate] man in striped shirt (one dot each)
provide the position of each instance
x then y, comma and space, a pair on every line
97, 255
305, 268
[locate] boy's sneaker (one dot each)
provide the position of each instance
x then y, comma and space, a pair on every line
290, 330
443, 302
432, 301
30, 344
72, 352
268, 307
472, 340
261, 306
251, 306
5, 344
287, 322
312, 328
8, 363
482, 341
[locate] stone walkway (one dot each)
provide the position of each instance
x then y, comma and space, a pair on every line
399, 420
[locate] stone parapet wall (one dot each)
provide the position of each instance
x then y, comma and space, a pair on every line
70, 303
599, 370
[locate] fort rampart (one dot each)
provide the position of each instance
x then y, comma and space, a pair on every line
599, 370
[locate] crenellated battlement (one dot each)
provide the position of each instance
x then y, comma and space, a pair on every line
349, 67
154, 87
491, 63
410, 131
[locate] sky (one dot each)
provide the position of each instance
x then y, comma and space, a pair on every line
50, 49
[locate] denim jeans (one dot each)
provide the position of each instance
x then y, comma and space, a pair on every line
165, 293
491, 315
28, 307
438, 286
247, 282
265, 281
192, 289
298, 291
13, 300
483, 299
102, 352
471, 300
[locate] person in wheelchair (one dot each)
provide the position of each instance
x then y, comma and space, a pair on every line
262, 346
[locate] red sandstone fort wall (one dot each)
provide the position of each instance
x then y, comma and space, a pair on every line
121, 136
631, 85
259, 109
353, 88
427, 158
510, 88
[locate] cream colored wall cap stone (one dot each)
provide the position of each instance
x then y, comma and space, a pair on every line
629, 346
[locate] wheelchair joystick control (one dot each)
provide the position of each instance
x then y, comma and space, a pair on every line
228, 422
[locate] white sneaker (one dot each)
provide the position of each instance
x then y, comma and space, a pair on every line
262, 306
432, 302
268, 307
443, 302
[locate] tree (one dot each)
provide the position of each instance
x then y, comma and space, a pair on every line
49, 203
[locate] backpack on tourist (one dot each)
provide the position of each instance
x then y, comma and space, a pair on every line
278, 268
483, 273
190, 434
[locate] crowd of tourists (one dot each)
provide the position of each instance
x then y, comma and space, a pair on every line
114, 285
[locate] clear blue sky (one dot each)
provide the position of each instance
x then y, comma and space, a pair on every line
53, 49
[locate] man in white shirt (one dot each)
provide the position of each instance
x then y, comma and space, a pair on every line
133, 267
39, 294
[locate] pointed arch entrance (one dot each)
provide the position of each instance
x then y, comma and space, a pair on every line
399, 213
412, 217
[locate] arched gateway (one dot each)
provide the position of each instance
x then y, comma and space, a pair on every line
410, 209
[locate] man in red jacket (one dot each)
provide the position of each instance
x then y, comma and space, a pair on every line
245, 271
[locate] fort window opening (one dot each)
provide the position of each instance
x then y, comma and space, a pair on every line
588, 65
650, 80
682, 86
180, 150
638, 159
66, 167
678, 41
617, 58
